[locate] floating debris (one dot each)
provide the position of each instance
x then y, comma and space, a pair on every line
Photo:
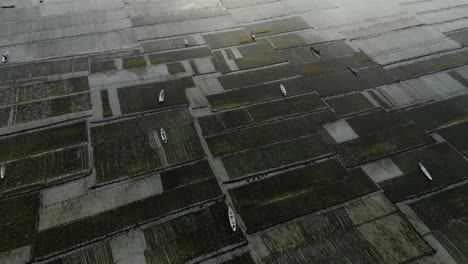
252, 35
283, 90
186, 42
161, 96
426, 173
232, 219
352, 70
2, 171
163, 135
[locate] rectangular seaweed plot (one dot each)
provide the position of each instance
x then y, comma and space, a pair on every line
99, 253
336, 65
4, 116
279, 155
18, 223
45, 168
378, 145
38, 91
258, 93
179, 55
262, 53
187, 174
377, 121
442, 113
295, 193
456, 136
106, 108
268, 133
227, 39
425, 67
52, 108
68, 236
190, 236
446, 214
250, 78
350, 104
348, 82
31, 143
183, 144
277, 26
146, 97
133, 147
444, 164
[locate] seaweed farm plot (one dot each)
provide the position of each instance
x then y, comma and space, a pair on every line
18, 223
40, 170
411, 92
41, 69
249, 115
456, 136
40, 157
4, 116
102, 66
446, 214
375, 146
133, 62
98, 253
146, 97
428, 66
36, 91
350, 104
261, 53
250, 78
358, 62
267, 158
298, 192
180, 55
190, 236
51, 108
439, 114
258, 93
377, 121
357, 232
269, 133
187, 174
73, 234
227, 39
277, 26
140, 149
444, 164
350, 81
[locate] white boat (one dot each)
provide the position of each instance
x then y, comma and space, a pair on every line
161, 96
232, 219
186, 42
163, 135
426, 173
2, 172
283, 90
5, 56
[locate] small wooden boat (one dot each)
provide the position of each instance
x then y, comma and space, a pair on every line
283, 90
161, 96
163, 135
186, 43
352, 70
426, 173
2, 171
232, 219
252, 35
5, 56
